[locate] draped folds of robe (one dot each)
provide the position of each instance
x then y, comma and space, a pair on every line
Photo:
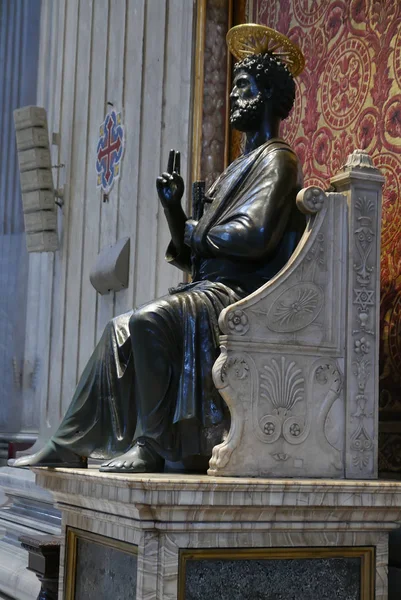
150, 375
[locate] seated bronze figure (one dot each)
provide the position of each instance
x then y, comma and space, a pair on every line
146, 394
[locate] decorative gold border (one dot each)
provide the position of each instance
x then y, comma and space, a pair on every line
198, 89
197, 114
365, 553
231, 13
71, 538
233, 137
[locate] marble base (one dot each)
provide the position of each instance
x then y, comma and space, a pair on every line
25, 509
164, 514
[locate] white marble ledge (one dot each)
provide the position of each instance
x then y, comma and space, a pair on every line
185, 489
176, 502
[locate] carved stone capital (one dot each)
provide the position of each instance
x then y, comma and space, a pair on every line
359, 159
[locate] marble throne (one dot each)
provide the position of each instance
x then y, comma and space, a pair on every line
299, 357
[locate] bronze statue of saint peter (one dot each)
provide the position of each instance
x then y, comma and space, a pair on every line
146, 394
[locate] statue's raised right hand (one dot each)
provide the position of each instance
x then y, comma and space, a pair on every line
170, 185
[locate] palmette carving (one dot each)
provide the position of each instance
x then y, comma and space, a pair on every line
282, 387
362, 445
284, 390
282, 384
364, 236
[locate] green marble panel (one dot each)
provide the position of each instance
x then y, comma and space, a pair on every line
267, 579
104, 572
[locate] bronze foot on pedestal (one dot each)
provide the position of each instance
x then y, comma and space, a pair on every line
51, 456
141, 458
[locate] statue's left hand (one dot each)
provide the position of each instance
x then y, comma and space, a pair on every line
170, 185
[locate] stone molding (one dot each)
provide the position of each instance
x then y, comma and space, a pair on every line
160, 497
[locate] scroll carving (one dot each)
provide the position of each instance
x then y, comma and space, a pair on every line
231, 377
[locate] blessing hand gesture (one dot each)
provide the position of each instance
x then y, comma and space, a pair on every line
170, 185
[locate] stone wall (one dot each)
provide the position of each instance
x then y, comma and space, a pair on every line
135, 55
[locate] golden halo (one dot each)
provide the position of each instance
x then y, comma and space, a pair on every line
249, 39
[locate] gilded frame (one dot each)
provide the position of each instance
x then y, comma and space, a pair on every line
71, 544
198, 86
236, 13
367, 555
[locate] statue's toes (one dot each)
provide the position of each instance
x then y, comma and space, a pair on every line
135, 466
25, 461
118, 464
108, 466
139, 459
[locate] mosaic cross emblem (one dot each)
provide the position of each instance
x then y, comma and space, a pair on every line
109, 152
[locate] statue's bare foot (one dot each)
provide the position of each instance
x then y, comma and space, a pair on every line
141, 458
51, 455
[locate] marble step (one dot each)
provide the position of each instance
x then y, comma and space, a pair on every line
16, 582
26, 507
27, 510
11, 531
22, 525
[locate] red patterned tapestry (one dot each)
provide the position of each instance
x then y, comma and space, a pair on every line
349, 97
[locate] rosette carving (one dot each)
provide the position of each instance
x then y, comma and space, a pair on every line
237, 322
311, 200
296, 308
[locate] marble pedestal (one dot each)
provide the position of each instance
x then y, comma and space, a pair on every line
165, 519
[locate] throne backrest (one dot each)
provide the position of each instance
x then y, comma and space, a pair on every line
299, 357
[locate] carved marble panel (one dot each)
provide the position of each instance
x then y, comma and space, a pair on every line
288, 416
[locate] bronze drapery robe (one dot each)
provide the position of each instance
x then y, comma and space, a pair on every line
150, 374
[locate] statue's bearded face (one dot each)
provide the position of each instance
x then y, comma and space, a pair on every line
247, 102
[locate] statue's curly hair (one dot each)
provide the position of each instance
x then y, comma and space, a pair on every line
271, 74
